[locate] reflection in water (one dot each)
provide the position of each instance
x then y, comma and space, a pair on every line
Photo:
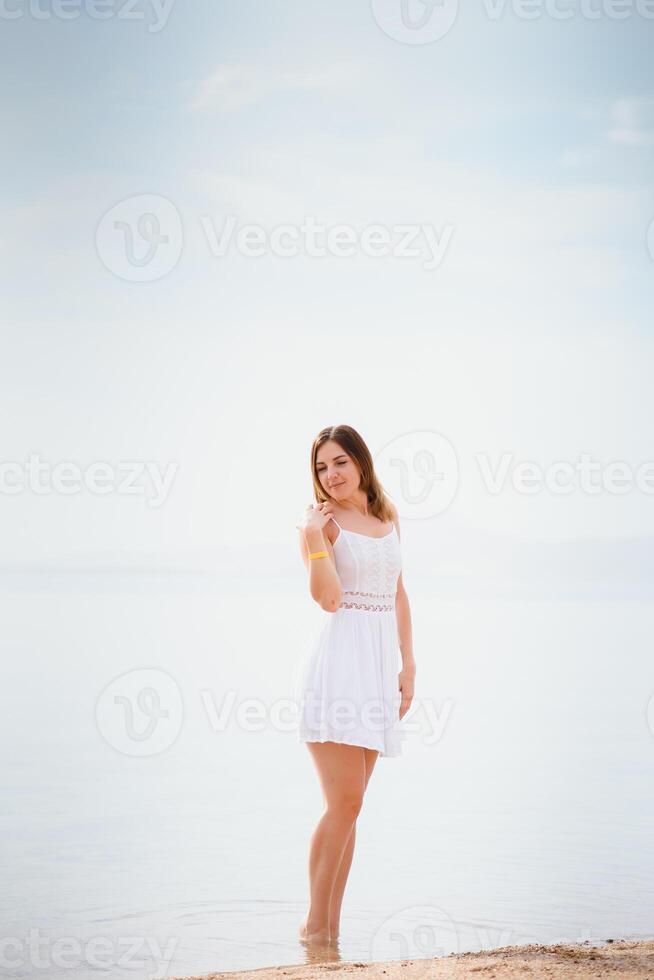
320, 952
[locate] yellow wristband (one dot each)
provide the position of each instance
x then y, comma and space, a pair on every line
319, 554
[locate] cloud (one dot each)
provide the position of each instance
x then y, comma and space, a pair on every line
258, 199
233, 87
633, 122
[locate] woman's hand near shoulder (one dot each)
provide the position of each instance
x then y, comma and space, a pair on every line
316, 517
324, 582
315, 529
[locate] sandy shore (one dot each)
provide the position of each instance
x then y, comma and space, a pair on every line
562, 961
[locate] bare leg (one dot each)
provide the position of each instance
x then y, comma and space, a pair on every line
370, 756
342, 774
339, 885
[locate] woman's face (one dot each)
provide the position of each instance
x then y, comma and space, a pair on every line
337, 471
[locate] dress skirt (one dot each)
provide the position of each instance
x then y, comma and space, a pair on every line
346, 688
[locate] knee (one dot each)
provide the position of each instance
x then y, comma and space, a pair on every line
347, 807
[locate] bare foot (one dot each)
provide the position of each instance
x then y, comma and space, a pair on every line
318, 946
310, 934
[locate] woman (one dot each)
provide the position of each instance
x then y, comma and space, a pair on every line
351, 694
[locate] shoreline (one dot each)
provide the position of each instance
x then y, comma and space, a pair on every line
632, 958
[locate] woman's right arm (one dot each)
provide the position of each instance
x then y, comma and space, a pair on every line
324, 582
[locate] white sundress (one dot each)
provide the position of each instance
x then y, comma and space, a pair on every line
346, 687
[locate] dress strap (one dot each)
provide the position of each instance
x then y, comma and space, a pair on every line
337, 524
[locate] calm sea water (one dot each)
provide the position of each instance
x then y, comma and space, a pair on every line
157, 807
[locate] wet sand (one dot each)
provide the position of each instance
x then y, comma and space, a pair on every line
561, 961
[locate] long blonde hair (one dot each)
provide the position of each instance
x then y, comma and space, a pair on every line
350, 440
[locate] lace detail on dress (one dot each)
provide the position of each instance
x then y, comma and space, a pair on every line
379, 563
370, 601
371, 564
388, 572
368, 568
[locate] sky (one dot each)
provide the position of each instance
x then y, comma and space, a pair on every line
228, 225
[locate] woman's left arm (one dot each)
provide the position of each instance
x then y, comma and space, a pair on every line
403, 614
407, 675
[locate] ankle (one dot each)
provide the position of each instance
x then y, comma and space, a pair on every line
316, 925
